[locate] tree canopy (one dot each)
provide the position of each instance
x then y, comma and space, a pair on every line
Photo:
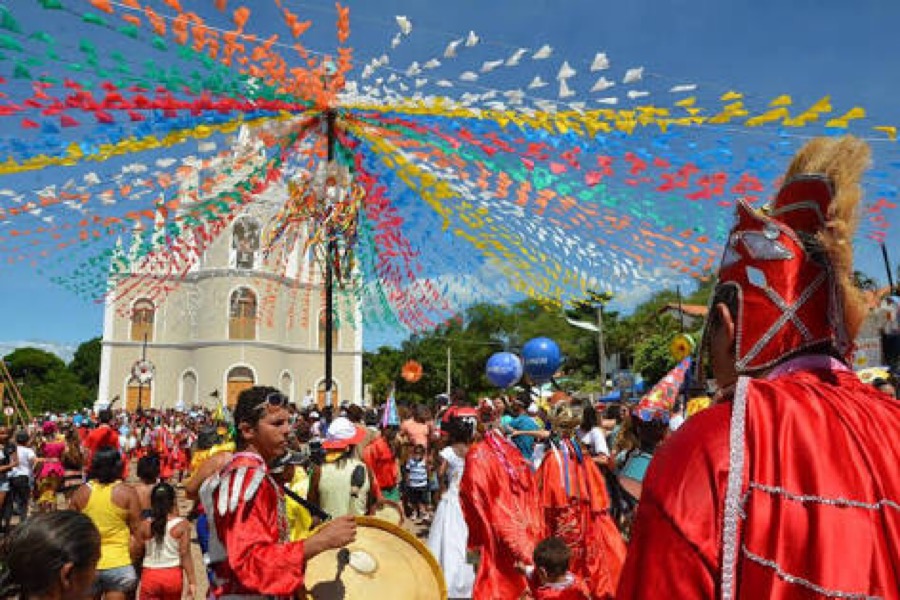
48, 384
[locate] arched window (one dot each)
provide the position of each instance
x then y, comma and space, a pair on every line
142, 320
334, 333
286, 384
245, 243
242, 315
188, 389
239, 379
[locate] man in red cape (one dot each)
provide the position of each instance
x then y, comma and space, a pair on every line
502, 510
575, 503
789, 487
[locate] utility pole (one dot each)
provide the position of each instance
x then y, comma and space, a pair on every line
449, 358
601, 348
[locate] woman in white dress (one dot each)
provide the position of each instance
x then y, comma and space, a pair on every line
449, 534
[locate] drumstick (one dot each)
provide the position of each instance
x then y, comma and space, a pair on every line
312, 508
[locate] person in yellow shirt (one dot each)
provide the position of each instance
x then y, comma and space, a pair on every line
289, 471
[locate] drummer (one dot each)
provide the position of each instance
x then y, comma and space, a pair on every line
249, 546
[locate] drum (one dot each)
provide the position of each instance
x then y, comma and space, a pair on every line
385, 561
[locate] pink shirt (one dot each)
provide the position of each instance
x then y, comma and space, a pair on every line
418, 433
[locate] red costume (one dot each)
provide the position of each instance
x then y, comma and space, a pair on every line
790, 488
379, 457
573, 495
249, 549
501, 507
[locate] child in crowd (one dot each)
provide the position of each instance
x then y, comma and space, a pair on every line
550, 578
50, 555
168, 549
417, 483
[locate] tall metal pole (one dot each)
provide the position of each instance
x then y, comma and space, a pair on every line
601, 348
330, 250
449, 358
887, 267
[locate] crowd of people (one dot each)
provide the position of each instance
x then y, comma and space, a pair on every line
781, 486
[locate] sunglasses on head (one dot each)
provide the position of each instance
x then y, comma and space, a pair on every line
273, 399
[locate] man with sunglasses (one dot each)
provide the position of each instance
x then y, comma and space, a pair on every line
788, 487
250, 551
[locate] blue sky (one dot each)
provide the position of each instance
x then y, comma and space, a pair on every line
763, 48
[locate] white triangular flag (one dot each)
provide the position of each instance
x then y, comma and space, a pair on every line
565, 71
634, 94
472, 39
516, 56
413, 69
432, 64
450, 50
600, 62
392, 78
396, 41
367, 71
404, 87
688, 87
579, 106
564, 91
544, 52
444, 83
490, 94
421, 82
608, 100
514, 96
602, 84
405, 25
469, 76
490, 65
383, 60
537, 82
632, 75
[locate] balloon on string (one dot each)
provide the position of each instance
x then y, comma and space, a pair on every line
411, 371
542, 358
503, 369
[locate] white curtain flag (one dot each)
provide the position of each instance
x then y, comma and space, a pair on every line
469, 76
565, 71
432, 64
564, 91
544, 52
602, 84
472, 39
450, 50
688, 87
405, 24
600, 63
516, 56
536, 83
490, 65
634, 94
632, 75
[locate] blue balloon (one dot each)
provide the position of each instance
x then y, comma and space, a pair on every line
504, 369
542, 359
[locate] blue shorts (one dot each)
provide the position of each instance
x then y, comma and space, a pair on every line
120, 579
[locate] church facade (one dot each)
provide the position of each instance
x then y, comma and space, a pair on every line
234, 319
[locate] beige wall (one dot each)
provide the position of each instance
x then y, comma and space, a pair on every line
191, 333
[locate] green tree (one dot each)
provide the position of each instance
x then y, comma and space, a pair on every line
864, 281
85, 364
652, 358
45, 382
